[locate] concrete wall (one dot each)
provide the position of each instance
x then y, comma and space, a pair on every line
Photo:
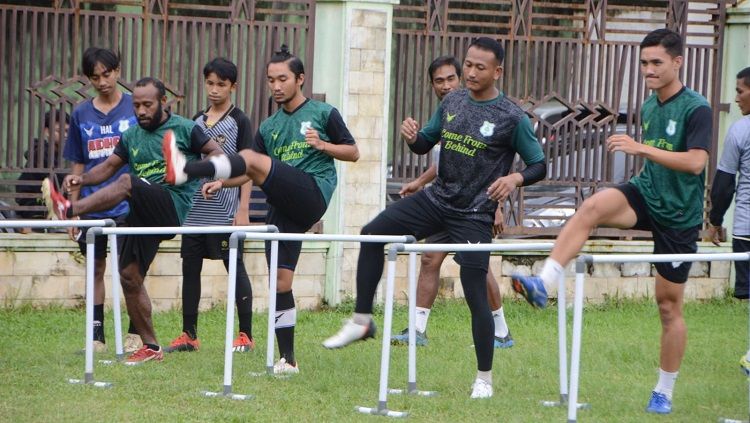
44, 269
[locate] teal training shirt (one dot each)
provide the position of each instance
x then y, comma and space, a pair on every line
681, 123
142, 150
282, 137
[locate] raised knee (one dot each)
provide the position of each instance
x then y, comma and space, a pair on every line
130, 283
431, 261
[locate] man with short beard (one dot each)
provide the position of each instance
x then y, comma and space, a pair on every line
151, 201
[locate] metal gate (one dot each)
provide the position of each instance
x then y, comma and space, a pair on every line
573, 66
41, 47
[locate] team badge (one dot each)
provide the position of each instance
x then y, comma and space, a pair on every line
124, 125
220, 139
89, 132
487, 129
304, 127
671, 127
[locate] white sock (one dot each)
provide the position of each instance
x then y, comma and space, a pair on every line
485, 376
362, 319
422, 315
666, 383
501, 328
551, 273
222, 166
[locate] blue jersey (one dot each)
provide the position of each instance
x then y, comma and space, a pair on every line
92, 138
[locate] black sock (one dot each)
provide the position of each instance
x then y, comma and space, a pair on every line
69, 212
286, 318
191, 294
190, 325
243, 297
154, 347
99, 322
131, 328
246, 323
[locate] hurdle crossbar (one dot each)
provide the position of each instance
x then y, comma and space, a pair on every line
581, 263
235, 240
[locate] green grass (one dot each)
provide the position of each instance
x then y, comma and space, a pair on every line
619, 367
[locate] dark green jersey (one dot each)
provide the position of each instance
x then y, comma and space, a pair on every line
282, 137
683, 122
142, 150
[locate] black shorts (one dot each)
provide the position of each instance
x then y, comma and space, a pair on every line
417, 215
101, 241
150, 205
742, 282
438, 238
295, 203
666, 240
205, 246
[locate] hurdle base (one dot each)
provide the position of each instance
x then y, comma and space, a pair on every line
412, 391
89, 381
564, 403
226, 394
381, 410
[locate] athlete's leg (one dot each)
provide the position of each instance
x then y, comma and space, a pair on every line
669, 297
105, 198
609, 207
138, 302
428, 282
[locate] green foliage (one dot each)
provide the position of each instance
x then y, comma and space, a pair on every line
620, 360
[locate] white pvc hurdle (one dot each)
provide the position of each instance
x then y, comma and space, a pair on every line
164, 230
237, 237
88, 375
581, 262
413, 249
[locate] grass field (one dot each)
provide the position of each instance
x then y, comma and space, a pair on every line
620, 361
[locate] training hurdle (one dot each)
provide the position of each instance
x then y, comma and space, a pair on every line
234, 241
581, 263
112, 234
413, 249
88, 377
496, 247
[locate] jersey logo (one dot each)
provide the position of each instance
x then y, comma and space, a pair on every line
221, 139
89, 132
134, 152
645, 126
304, 127
449, 117
487, 129
275, 135
124, 125
671, 127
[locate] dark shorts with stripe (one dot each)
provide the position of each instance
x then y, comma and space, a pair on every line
295, 204
150, 205
666, 240
101, 242
205, 246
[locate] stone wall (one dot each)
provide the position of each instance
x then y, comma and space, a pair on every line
43, 269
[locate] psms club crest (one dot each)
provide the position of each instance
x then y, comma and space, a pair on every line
305, 126
487, 129
671, 127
